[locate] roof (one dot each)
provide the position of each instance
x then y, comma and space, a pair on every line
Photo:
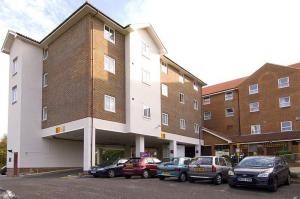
217, 134
296, 66
222, 86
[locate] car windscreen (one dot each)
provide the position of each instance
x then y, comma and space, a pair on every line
203, 161
257, 162
134, 161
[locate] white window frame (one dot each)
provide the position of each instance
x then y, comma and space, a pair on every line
182, 124
181, 78
45, 54
165, 119
109, 103
181, 101
164, 67
282, 85
254, 107
109, 64
145, 49
164, 90
196, 128
288, 128
146, 112
195, 86
195, 104
251, 91
229, 95
146, 79
283, 104
15, 66
255, 129
227, 114
14, 94
45, 80
44, 113
207, 115
107, 34
206, 100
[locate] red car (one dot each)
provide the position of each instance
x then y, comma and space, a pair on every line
144, 167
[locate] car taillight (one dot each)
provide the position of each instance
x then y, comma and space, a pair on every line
213, 168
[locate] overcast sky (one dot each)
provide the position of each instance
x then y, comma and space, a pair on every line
216, 40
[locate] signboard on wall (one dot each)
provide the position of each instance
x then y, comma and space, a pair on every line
59, 129
222, 153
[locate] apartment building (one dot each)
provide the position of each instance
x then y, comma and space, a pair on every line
259, 114
93, 85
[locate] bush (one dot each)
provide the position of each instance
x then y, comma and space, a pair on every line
3, 151
287, 155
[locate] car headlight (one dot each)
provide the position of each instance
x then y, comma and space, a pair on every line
230, 173
265, 174
100, 169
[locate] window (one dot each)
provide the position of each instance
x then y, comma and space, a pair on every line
164, 90
228, 96
196, 106
181, 79
146, 77
45, 80
182, 124
164, 67
196, 128
165, 119
109, 34
109, 64
229, 112
253, 89
283, 82
195, 86
206, 100
45, 54
284, 102
181, 98
254, 107
207, 115
14, 95
15, 66
147, 113
145, 49
255, 129
109, 103
286, 126
44, 113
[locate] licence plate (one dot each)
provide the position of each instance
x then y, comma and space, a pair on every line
166, 173
93, 171
245, 179
129, 165
198, 169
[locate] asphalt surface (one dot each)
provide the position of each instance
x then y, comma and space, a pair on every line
67, 185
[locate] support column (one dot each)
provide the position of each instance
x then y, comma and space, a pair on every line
197, 150
139, 145
173, 149
89, 147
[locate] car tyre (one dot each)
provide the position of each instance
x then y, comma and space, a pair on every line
146, 174
288, 180
182, 177
111, 173
191, 180
127, 176
95, 176
218, 179
274, 185
161, 177
231, 185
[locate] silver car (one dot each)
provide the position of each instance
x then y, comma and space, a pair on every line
210, 168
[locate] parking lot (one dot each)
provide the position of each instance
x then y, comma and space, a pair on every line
68, 185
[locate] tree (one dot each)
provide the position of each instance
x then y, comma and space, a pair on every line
3, 151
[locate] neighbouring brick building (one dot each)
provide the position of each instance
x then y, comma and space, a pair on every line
259, 113
93, 85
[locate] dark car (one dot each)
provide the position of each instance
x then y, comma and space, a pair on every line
209, 168
144, 167
3, 170
109, 169
177, 168
261, 171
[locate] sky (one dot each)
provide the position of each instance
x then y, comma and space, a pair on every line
216, 40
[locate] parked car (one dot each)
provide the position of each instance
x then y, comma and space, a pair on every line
210, 168
3, 170
109, 169
144, 167
177, 168
261, 171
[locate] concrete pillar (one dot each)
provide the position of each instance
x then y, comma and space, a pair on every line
139, 145
173, 149
197, 150
89, 147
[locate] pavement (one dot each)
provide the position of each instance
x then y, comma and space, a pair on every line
70, 185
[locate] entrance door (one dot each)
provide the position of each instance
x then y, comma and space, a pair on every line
190, 151
206, 151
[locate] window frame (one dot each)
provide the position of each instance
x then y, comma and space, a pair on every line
206, 117
196, 105
164, 67
14, 94
145, 47
183, 101
255, 132
182, 124
181, 78
15, 66
164, 90
251, 110
166, 115
226, 112
226, 96
195, 86
110, 68
146, 77
252, 92
45, 80
286, 106
44, 113
196, 128
45, 54
284, 86
112, 106
281, 126
205, 101
148, 111
105, 35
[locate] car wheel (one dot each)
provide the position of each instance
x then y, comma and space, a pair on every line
161, 177
95, 176
218, 179
111, 173
145, 174
191, 180
274, 185
182, 177
231, 185
288, 180
127, 176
